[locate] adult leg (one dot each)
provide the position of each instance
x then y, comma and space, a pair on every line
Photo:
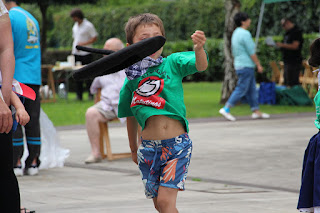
167, 200
252, 99
87, 59
286, 74
294, 73
241, 88
32, 130
9, 195
79, 89
239, 92
93, 117
79, 84
88, 85
251, 94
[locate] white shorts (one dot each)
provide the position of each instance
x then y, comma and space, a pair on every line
110, 114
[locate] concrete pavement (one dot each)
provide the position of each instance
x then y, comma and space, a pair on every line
251, 166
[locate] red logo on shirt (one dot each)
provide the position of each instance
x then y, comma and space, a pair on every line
148, 93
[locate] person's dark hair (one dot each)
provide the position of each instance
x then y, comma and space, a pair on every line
290, 19
314, 59
6, 1
77, 13
240, 17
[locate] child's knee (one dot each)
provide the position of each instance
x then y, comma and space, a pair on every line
91, 113
163, 203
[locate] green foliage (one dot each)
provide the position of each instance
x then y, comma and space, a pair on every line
180, 17
214, 48
67, 112
305, 13
115, 3
179, 21
50, 2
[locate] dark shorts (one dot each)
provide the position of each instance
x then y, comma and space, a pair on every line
310, 180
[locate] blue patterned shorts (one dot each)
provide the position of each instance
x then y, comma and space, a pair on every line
164, 163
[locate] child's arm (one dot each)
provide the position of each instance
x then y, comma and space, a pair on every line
22, 116
132, 128
199, 39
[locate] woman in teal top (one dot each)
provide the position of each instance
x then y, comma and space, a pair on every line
245, 61
309, 199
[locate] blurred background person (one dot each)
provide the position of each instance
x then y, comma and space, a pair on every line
245, 62
84, 34
27, 52
107, 108
291, 52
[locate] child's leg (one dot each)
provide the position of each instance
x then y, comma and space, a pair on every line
156, 203
166, 200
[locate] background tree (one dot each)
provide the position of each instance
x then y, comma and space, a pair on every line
232, 7
43, 5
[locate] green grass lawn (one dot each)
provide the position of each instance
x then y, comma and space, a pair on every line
201, 99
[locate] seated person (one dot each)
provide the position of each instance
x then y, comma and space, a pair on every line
107, 108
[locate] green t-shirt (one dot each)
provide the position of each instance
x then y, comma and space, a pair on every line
317, 103
159, 91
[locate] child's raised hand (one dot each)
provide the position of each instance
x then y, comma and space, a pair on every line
199, 39
22, 117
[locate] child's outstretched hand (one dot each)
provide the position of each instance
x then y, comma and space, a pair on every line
22, 116
199, 39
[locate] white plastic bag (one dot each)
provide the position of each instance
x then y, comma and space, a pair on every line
51, 155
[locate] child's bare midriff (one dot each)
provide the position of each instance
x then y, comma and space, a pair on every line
160, 127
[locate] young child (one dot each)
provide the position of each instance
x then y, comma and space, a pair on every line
153, 97
20, 114
309, 199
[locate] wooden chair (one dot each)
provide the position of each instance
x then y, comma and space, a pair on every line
277, 74
105, 145
309, 80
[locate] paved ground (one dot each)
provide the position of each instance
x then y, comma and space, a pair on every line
244, 166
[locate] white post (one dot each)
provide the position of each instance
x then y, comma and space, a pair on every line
259, 23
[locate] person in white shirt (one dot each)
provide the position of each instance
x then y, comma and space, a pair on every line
84, 34
107, 108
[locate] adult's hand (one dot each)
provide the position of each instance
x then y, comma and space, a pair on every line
5, 118
260, 69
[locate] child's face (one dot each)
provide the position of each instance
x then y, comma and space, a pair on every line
148, 31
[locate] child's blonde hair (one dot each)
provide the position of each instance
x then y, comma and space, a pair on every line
141, 19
